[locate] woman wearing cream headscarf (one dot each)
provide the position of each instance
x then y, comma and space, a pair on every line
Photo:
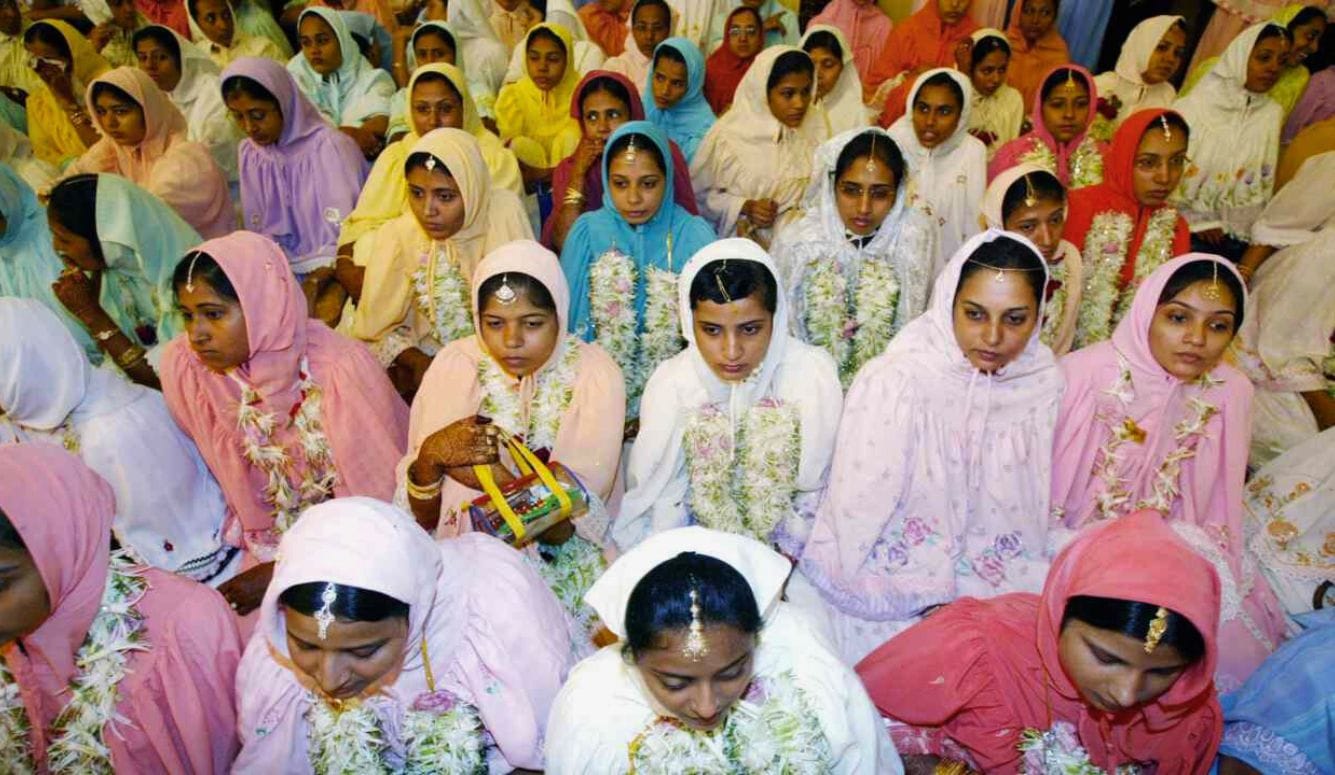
840, 104
226, 32
60, 127
1150, 57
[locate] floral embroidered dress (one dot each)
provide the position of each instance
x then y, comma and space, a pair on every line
923, 504
850, 295
1131, 436
1077, 163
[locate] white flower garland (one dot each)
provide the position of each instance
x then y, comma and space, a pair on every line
1057, 751
742, 480
1055, 311
773, 729
662, 326
552, 392
439, 734
1085, 165
442, 296
613, 283
856, 327
569, 571
319, 477
78, 733
1104, 302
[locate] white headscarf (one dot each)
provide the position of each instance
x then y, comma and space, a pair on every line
198, 95
1003, 111
842, 107
1125, 80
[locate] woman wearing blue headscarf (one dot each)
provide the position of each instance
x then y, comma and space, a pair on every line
631, 250
676, 89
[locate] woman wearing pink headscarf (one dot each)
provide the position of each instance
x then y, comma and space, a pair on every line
1153, 419
1063, 109
380, 650
285, 412
144, 138
866, 27
150, 656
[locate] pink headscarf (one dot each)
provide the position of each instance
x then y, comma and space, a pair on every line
495, 635
363, 418
180, 172
866, 27
1010, 154
177, 697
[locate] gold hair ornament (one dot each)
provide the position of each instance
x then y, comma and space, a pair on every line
718, 280
1212, 291
1030, 195
870, 166
325, 616
696, 647
1166, 127
631, 153
1002, 270
190, 273
505, 294
1158, 626
430, 163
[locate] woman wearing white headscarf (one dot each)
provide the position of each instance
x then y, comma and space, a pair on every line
356, 95
841, 106
746, 453
169, 510
1150, 57
813, 714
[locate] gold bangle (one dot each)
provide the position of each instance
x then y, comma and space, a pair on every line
130, 355
425, 492
574, 197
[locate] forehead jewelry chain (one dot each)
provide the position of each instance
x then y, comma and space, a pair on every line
325, 616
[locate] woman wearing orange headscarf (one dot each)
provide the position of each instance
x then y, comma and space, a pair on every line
925, 40
1036, 45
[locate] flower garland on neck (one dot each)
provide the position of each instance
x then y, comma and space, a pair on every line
1085, 165
743, 476
539, 421
439, 733
613, 285
1115, 499
78, 734
1057, 751
773, 728
442, 295
318, 476
1055, 311
1104, 302
853, 327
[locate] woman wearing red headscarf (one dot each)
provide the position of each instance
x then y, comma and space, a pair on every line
1113, 663
743, 38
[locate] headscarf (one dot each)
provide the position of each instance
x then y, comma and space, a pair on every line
923, 40
724, 69
1293, 79
1126, 81
362, 418
474, 608
255, 34
1021, 148
297, 190
670, 235
996, 118
842, 107
1030, 65
542, 117
54, 139
631, 62
356, 92
607, 29
688, 121
198, 95
165, 162
865, 26
981, 671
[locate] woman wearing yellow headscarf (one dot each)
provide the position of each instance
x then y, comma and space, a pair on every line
533, 114
58, 124
442, 101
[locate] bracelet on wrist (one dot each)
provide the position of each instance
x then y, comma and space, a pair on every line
130, 356
423, 492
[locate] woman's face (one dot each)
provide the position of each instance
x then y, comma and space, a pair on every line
435, 104
734, 337
995, 314
353, 659
952, 11
1306, 40
790, 98
637, 185
47, 61
215, 20
1167, 57
1190, 331
601, 113
1042, 223
1112, 671
159, 63
863, 194
1066, 110
745, 37
936, 114
1036, 18
214, 325
122, 13
989, 73
319, 44
121, 119
73, 249
828, 69
1161, 158
436, 201
650, 27
432, 48
670, 81
1265, 64
546, 62
520, 336
699, 693
24, 603
260, 120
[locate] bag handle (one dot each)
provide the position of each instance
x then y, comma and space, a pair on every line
528, 463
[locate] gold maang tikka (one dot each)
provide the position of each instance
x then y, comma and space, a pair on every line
1158, 626
325, 616
505, 294
696, 647
1212, 291
870, 166
718, 280
190, 273
631, 152
1166, 127
1030, 195
430, 163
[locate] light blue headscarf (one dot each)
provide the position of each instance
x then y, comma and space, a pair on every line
28, 263
356, 92
596, 232
687, 122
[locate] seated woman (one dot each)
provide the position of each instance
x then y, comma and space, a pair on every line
1234, 141
630, 250
677, 102
917, 513
838, 100
708, 651
118, 243
378, 649
1111, 666
108, 666
1036, 46
145, 140
299, 176
1159, 384
603, 102
651, 23
1030, 201
186, 74
349, 91
169, 511
1060, 141
737, 431
997, 109
866, 28
225, 36
605, 24
1143, 76
947, 165
1125, 227
414, 291
753, 166
431, 43
858, 266
926, 40
65, 62
250, 355
743, 39
533, 114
